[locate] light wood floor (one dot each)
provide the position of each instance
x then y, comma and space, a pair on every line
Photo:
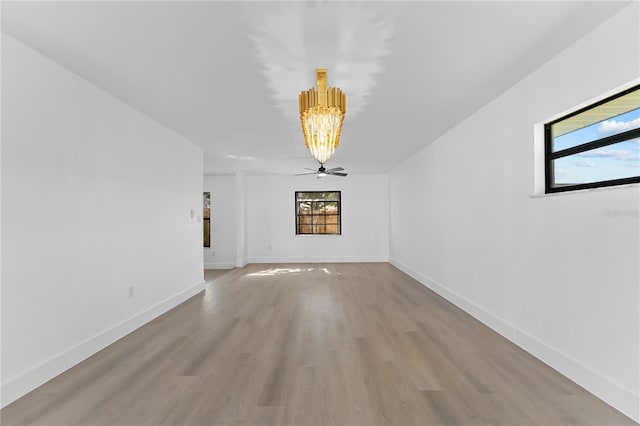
335, 344
213, 274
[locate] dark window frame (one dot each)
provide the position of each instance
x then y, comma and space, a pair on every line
549, 155
338, 215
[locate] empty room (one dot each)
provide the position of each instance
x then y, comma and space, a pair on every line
320, 213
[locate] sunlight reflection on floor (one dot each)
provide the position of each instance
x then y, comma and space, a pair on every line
280, 271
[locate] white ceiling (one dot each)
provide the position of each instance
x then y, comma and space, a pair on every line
226, 75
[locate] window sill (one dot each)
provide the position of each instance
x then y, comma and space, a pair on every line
583, 191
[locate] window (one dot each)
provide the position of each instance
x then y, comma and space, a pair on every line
596, 146
318, 213
206, 218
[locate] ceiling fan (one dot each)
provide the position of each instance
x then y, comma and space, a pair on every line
322, 172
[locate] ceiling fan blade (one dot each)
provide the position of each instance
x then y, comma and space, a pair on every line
301, 174
335, 169
337, 174
313, 170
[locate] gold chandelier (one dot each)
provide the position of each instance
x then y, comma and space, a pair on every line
321, 114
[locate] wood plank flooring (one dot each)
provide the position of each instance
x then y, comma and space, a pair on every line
213, 274
312, 344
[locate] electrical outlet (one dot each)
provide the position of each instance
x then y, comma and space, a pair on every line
131, 292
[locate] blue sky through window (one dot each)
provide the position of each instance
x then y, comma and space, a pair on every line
620, 160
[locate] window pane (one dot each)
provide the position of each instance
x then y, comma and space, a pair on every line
617, 161
318, 212
602, 129
332, 220
304, 224
304, 229
332, 196
615, 106
304, 208
305, 196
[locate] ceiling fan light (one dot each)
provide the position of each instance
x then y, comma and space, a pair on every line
322, 114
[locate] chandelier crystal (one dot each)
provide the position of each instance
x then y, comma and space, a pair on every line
321, 114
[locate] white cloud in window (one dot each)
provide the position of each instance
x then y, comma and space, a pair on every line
614, 126
619, 154
585, 163
562, 172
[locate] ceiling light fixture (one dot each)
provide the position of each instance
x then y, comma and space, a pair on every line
321, 114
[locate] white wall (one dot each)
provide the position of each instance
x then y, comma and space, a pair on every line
222, 254
242, 206
271, 220
559, 275
96, 198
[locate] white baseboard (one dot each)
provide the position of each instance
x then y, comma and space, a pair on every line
614, 394
18, 386
219, 265
315, 259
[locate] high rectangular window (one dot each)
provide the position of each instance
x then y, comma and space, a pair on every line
318, 213
596, 146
